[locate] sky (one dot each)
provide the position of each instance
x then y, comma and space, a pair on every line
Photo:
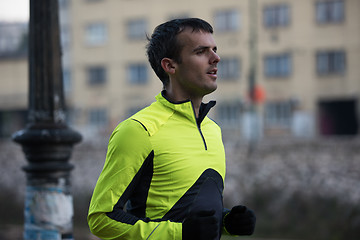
14, 10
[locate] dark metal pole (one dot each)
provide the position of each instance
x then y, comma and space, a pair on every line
46, 141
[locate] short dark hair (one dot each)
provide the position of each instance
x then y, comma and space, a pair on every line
163, 42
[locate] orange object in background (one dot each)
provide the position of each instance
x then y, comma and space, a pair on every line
258, 95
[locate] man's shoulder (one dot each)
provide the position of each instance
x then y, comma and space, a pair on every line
129, 127
128, 136
152, 117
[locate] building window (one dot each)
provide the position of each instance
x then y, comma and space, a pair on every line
64, 4
330, 62
96, 75
276, 16
65, 37
229, 68
13, 37
136, 29
330, 11
67, 80
96, 34
98, 117
227, 20
229, 114
278, 114
277, 65
137, 73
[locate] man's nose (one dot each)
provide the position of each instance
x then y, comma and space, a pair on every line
215, 58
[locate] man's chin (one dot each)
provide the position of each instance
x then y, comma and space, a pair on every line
210, 89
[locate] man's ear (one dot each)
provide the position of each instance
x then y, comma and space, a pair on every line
168, 65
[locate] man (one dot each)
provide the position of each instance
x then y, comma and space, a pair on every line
166, 164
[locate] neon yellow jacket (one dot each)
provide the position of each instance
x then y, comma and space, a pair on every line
162, 163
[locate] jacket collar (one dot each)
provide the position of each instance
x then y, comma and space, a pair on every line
186, 107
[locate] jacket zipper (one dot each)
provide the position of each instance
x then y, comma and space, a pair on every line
202, 136
198, 127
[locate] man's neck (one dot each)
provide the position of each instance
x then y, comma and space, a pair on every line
174, 97
196, 106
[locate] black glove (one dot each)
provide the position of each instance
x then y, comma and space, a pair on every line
201, 225
240, 221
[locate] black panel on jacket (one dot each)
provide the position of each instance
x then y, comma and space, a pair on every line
135, 194
205, 194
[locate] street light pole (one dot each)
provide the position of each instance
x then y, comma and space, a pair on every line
47, 141
254, 125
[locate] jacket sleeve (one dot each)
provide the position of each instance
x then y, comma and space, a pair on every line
128, 148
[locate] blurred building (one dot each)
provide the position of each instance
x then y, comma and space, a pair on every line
304, 55
13, 77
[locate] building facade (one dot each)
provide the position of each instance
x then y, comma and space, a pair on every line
298, 58
13, 77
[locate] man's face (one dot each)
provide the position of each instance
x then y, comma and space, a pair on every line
196, 75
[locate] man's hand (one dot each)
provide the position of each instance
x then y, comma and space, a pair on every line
201, 225
240, 221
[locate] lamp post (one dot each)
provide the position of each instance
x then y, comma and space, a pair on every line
253, 118
46, 141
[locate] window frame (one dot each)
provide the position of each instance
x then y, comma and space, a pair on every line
229, 113
133, 26
330, 62
276, 15
326, 12
228, 20
96, 75
229, 68
96, 34
278, 114
280, 65
137, 73
98, 117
